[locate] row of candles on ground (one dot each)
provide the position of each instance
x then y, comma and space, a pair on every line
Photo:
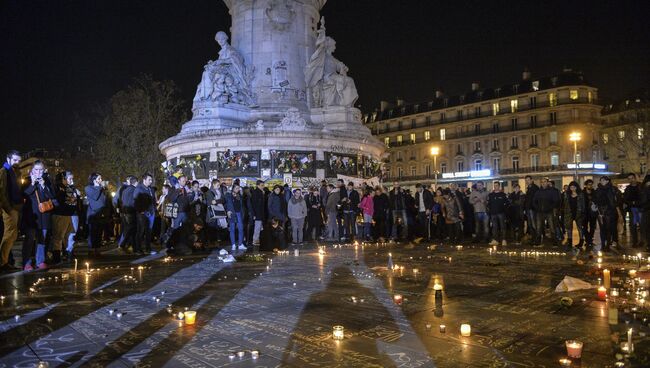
338, 332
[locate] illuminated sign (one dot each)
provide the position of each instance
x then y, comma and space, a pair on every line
468, 174
588, 166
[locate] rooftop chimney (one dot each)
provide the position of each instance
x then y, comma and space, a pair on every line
384, 105
400, 102
439, 94
475, 86
526, 74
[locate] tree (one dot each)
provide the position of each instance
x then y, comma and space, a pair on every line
126, 131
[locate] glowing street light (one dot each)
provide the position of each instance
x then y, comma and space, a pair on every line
575, 137
435, 150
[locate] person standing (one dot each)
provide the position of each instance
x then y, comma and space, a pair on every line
130, 220
275, 205
257, 210
96, 212
424, 204
331, 209
181, 198
517, 201
117, 204
37, 218
380, 212
350, 211
65, 219
145, 211
479, 200
497, 205
529, 212
297, 211
453, 213
235, 212
314, 214
631, 198
544, 206
398, 207
161, 204
11, 203
573, 210
367, 207
644, 205
608, 200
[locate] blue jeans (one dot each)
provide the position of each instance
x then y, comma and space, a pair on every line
236, 219
178, 221
38, 237
482, 220
636, 215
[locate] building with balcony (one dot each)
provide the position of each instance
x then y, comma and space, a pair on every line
625, 134
501, 133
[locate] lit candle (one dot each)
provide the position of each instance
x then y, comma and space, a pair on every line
296, 252
602, 293
614, 292
190, 317
87, 267
574, 349
443, 328
632, 273
338, 332
255, 354
565, 362
465, 330
397, 298
630, 346
606, 278
181, 315
427, 326
75, 265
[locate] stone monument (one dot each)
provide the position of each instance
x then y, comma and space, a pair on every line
276, 102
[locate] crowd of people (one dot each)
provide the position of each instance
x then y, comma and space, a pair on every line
53, 214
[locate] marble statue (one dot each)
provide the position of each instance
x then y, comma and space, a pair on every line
293, 120
327, 76
226, 79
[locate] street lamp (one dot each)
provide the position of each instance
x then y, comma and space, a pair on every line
435, 150
575, 137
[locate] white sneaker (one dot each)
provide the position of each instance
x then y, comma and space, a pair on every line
242, 247
494, 242
234, 247
504, 242
223, 252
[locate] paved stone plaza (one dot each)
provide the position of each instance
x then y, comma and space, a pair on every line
284, 307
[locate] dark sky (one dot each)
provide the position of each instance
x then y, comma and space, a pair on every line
60, 57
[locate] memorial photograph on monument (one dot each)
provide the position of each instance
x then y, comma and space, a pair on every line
338, 163
238, 163
370, 167
195, 166
298, 163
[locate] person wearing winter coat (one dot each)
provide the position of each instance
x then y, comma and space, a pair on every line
257, 210
331, 209
529, 211
314, 214
37, 223
65, 219
397, 198
644, 205
275, 206
380, 212
573, 210
145, 212
423, 204
235, 207
632, 197
515, 212
545, 205
297, 211
367, 207
497, 205
479, 200
609, 200
453, 213
96, 214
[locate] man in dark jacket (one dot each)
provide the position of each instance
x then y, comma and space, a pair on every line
516, 212
529, 211
591, 213
632, 198
424, 204
497, 205
544, 206
117, 204
257, 210
608, 199
380, 215
130, 220
145, 211
350, 206
397, 202
96, 213
11, 202
181, 198
645, 208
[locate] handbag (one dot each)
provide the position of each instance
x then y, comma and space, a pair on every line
45, 206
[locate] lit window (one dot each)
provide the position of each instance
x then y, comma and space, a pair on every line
387, 141
552, 99
605, 138
590, 97
427, 135
552, 137
495, 108
478, 165
412, 137
399, 139
442, 134
621, 134
513, 105
555, 159
573, 94
639, 133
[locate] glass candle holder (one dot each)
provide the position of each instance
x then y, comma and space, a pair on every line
574, 349
190, 317
397, 298
338, 332
465, 330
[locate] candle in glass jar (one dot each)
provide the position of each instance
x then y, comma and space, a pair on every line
338, 332
465, 330
602, 293
632, 273
606, 278
574, 349
190, 317
564, 362
255, 354
181, 315
397, 298
443, 328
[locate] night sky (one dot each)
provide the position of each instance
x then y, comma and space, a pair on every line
61, 57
